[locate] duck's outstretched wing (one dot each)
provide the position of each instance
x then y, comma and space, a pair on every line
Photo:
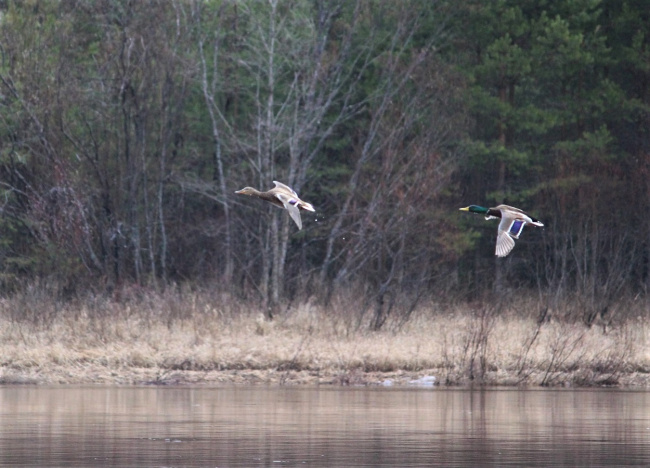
295, 214
505, 244
511, 212
280, 185
291, 205
509, 230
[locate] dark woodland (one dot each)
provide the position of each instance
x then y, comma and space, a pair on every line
127, 126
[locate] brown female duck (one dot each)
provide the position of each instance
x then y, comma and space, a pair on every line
281, 196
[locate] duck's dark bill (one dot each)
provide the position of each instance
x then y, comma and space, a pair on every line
516, 227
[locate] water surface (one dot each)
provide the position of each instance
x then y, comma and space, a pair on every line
323, 426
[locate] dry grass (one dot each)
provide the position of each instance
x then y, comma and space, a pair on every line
199, 338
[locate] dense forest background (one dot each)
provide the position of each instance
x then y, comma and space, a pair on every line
126, 127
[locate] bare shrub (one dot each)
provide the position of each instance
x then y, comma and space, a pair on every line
524, 364
565, 348
608, 365
475, 359
35, 304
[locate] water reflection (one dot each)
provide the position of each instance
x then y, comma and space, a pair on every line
262, 426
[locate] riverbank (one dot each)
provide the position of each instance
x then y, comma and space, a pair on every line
200, 344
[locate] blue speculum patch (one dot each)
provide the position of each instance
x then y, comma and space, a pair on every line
516, 227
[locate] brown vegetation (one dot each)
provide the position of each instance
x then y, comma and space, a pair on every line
209, 338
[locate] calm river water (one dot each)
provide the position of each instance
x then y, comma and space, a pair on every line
324, 427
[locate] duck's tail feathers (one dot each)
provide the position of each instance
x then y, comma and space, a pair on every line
305, 206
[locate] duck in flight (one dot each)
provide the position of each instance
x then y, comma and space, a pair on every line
281, 196
512, 223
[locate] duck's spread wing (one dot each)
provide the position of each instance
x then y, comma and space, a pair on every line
291, 205
509, 230
515, 213
510, 211
295, 215
505, 244
280, 185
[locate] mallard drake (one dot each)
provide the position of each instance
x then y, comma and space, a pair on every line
512, 223
281, 196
